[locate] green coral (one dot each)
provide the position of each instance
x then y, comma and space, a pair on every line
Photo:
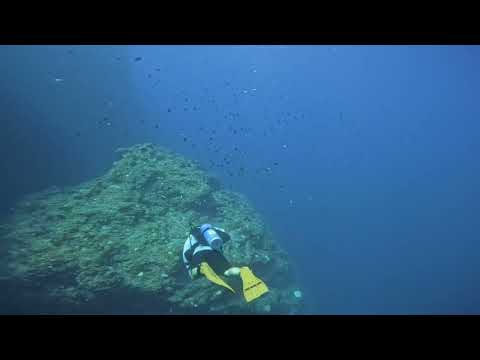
124, 231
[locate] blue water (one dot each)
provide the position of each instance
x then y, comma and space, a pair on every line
362, 159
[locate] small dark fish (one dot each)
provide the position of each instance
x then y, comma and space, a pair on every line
77, 133
156, 126
149, 75
138, 58
186, 99
275, 163
118, 58
169, 110
157, 69
195, 108
235, 148
185, 109
210, 138
185, 139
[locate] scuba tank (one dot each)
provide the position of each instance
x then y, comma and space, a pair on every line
211, 236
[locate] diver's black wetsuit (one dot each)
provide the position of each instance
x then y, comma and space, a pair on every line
212, 257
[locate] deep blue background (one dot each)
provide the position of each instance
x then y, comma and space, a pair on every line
362, 159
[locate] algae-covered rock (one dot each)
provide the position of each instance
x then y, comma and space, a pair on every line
115, 243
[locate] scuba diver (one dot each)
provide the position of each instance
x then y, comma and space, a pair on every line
203, 255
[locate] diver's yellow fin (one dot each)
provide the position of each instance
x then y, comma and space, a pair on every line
206, 270
253, 287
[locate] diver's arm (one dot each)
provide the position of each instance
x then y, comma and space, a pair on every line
186, 261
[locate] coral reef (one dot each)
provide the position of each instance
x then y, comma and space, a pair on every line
115, 242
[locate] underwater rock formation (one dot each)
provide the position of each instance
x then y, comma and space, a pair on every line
113, 244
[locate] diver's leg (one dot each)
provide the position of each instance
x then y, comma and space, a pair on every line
197, 260
221, 265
